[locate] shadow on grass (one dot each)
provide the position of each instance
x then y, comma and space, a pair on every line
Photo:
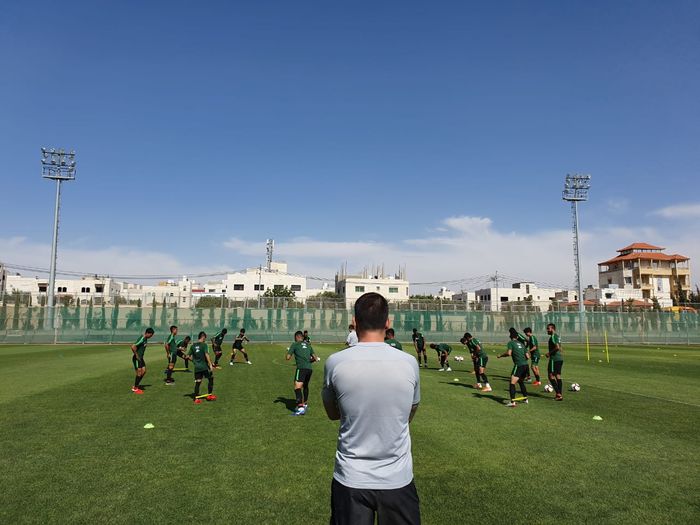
498, 399
290, 404
190, 395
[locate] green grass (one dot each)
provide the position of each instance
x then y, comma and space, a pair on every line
75, 450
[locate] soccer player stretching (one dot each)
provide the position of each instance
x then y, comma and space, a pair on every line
182, 345
556, 360
304, 356
532, 347
443, 351
480, 361
216, 342
419, 345
203, 367
390, 339
517, 351
171, 354
307, 339
238, 346
139, 349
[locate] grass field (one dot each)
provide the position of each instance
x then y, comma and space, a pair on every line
75, 449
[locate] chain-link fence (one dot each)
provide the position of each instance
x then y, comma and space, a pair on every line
123, 323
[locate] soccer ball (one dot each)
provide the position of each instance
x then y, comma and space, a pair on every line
548, 388
575, 387
459, 358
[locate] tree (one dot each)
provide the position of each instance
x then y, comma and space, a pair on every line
278, 292
326, 295
681, 296
208, 302
655, 305
694, 297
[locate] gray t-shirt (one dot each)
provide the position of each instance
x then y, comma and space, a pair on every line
375, 387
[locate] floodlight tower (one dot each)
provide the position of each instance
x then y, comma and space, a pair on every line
56, 165
269, 248
576, 190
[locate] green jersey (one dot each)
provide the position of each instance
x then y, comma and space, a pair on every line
140, 345
302, 352
181, 344
474, 346
198, 353
171, 344
307, 339
394, 343
419, 340
531, 342
554, 354
517, 352
522, 338
442, 347
219, 338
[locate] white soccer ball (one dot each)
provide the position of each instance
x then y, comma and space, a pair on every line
548, 388
575, 387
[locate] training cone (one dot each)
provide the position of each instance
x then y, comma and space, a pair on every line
456, 379
597, 418
149, 425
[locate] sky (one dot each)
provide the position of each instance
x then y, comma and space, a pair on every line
430, 135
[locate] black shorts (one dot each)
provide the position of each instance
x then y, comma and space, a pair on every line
138, 363
481, 362
237, 346
520, 371
172, 359
216, 348
303, 375
555, 367
202, 375
351, 506
420, 349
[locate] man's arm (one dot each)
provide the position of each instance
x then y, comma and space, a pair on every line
414, 409
507, 353
330, 404
209, 363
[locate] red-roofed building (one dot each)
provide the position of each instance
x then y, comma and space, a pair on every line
644, 267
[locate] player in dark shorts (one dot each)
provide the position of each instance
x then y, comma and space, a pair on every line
480, 358
216, 343
419, 345
304, 356
307, 339
238, 347
444, 350
390, 339
139, 349
203, 367
517, 351
523, 339
556, 361
533, 348
182, 345
171, 354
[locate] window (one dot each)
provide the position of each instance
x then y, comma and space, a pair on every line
85, 289
628, 280
258, 287
183, 299
171, 294
211, 290
222, 291
42, 287
238, 287
99, 288
278, 287
61, 289
393, 289
296, 288
359, 288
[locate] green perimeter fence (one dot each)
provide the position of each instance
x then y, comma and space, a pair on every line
120, 324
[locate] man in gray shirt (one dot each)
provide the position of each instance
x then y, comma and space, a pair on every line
374, 390
351, 339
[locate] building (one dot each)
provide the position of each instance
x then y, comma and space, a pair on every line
519, 295
464, 297
171, 293
445, 294
255, 282
101, 290
394, 288
644, 267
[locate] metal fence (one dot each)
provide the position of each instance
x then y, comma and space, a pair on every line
119, 324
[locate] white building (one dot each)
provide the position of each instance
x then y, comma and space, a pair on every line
464, 297
256, 281
394, 288
171, 292
494, 299
445, 294
612, 294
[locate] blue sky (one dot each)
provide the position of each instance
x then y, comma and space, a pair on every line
435, 135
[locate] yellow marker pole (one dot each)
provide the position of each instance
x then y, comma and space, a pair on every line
588, 348
607, 354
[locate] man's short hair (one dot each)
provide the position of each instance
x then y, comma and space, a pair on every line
552, 325
433, 346
224, 331
298, 333
202, 334
513, 333
390, 333
371, 312
242, 330
527, 330
171, 328
351, 327
415, 329
150, 330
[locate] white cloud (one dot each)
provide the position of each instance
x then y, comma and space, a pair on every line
679, 211
618, 205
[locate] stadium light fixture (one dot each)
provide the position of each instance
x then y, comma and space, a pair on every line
576, 190
59, 166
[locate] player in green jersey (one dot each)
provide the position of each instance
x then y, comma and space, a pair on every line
532, 346
216, 343
480, 358
444, 350
517, 351
556, 361
171, 354
419, 345
303, 356
523, 339
182, 345
238, 347
390, 339
307, 339
203, 367
139, 349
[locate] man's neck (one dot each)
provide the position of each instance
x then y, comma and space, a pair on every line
371, 336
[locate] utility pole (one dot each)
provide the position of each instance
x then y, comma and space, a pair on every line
59, 166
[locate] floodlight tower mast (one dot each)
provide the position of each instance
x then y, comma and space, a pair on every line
56, 165
270, 247
576, 190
